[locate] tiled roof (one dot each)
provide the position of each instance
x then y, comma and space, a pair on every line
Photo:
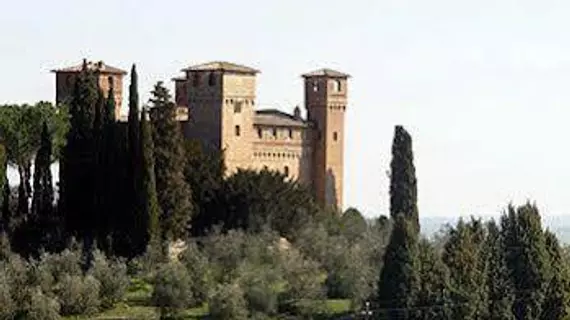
222, 66
95, 66
326, 73
273, 117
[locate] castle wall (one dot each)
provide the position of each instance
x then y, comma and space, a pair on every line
291, 155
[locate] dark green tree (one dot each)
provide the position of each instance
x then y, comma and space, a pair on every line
464, 255
204, 172
433, 299
527, 259
555, 305
135, 169
148, 197
252, 200
400, 279
499, 287
403, 183
174, 195
353, 224
43, 197
77, 168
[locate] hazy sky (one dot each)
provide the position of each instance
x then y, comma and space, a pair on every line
482, 86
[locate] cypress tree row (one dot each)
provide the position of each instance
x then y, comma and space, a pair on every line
174, 194
403, 183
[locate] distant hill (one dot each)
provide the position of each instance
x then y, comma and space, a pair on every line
560, 225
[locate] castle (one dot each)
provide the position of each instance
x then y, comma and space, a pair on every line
220, 99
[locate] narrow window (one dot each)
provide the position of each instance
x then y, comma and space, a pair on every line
238, 131
315, 86
275, 132
259, 133
335, 136
286, 171
290, 134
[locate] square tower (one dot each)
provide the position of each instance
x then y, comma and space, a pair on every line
221, 99
325, 101
106, 75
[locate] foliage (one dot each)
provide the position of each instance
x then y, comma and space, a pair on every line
464, 255
172, 289
150, 209
42, 307
403, 182
228, 303
79, 295
400, 278
174, 195
112, 276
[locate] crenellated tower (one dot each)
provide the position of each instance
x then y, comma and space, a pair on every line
325, 101
221, 98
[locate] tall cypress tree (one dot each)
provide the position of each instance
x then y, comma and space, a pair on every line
77, 166
403, 183
148, 197
42, 199
400, 280
133, 124
174, 194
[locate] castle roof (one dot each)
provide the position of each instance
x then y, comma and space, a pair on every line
273, 117
325, 72
94, 66
222, 66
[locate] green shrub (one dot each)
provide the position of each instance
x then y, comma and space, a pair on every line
112, 275
41, 307
199, 269
78, 295
8, 306
172, 289
66, 263
228, 303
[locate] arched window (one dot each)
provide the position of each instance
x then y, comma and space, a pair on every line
286, 171
275, 132
259, 133
238, 131
290, 133
335, 136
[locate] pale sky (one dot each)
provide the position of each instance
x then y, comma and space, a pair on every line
482, 85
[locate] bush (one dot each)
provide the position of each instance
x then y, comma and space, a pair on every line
79, 295
172, 289
228, 303
15, 269
66, 263
112, 275
8, 306
199, 270
42, 307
